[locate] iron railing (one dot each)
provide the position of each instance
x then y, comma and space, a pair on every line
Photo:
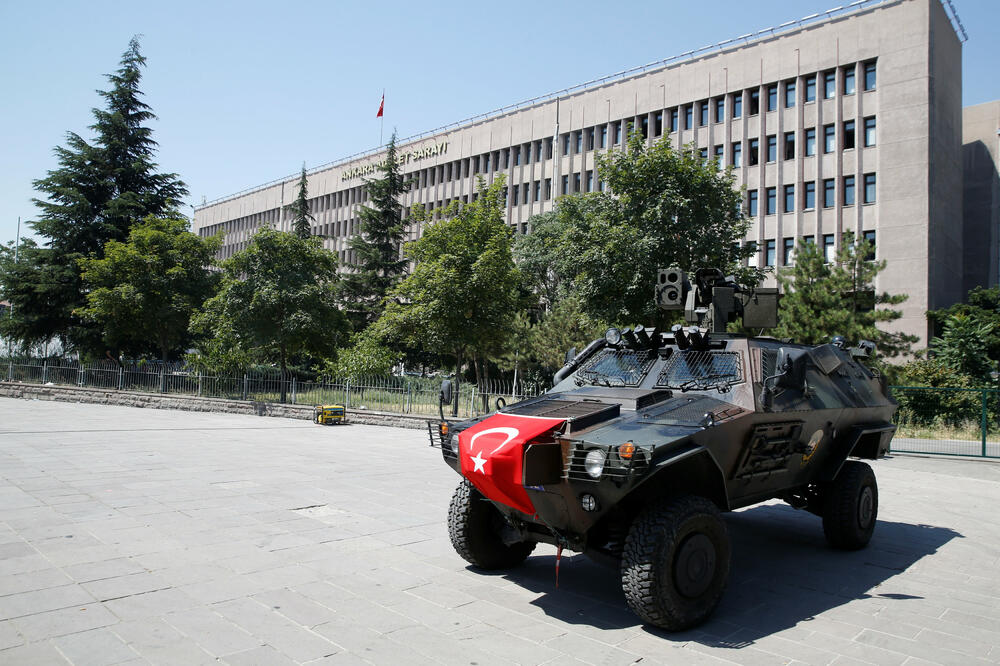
947, 421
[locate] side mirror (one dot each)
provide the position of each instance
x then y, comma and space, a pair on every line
446, 392
501, 403
790, 368
570, 354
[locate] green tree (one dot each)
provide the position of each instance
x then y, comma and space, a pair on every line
822, 299
378, 265
277, 302
462, 295
302, 219
666, 207
982, 307
564, 326
97, 193
143, 292
963, 347
366, 357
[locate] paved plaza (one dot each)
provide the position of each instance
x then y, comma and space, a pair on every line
144, 536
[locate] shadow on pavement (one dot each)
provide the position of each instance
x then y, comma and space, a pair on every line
782, 573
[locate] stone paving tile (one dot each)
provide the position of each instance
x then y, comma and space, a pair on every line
155, 640
95, 648
33, 654
211, 632
40, 626
287, 637
9, 636
39, 601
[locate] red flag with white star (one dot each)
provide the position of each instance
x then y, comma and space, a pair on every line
492, 453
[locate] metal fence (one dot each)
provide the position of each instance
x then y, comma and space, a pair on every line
943, 421
403, 395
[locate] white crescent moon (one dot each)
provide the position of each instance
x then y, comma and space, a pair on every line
510, 432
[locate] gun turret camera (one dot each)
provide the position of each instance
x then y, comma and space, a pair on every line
671, 288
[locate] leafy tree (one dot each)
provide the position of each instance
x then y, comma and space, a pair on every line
378, 266
924, 405
277, 302
366, 357
538, 254
982, 307
143, 292
301, 217
666, 207
564, 326
98, 192
822, 300
462, 295
962, 347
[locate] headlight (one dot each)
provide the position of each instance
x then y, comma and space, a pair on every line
594, 463
453, 443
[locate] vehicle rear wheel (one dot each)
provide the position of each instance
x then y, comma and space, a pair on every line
476, 529
850, 506
676, 562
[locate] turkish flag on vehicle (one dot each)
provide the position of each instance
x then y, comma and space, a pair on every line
492, 454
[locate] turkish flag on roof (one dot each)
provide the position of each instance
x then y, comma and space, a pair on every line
381, 107
492, 453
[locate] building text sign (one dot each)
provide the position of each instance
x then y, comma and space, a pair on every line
402, 157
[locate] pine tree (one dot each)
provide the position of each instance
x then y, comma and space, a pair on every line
97, 193
301, 217
378, 264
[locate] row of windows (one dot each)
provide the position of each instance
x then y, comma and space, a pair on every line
807, 200
770, 249
716, 107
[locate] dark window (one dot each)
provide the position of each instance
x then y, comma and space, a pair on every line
869, 188
809, 147
720, 109
848, 135
848, 190
772, 98
604, 136
809, 195
590, 181
829, 193
579, 142
673, 120
538, 190
738, 154
517, 155
869, 237
703, 154
789, 94
849, 81
829, 251
590, 138
718, 156
829, 85
737, 105
771, 195
576, 182
870, 131
565, 185
809, 94
754, 102
789, 198
870, 75
752, 203
543, 150
486, 163
688, 116
644, 126
548, 189
658, 123
616, 129
752, 259
789, 145
565, 144
809, 239
703, 114
548, 149
829, 138
514, 190
788, 255
769, 252
753, 157
772, 148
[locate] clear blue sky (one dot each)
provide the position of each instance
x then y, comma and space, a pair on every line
246, 92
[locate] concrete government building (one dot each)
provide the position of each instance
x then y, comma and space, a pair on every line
850, 120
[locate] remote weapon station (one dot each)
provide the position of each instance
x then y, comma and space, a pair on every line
648, 435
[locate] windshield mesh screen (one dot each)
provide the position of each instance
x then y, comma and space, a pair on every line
701, 369
616, 367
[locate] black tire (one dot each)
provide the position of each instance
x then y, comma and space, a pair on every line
676, 562
850, 506
475, 525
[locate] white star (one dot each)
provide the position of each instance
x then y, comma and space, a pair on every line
479, 462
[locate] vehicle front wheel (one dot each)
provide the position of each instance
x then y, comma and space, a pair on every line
676, 562
477, 529
850, 506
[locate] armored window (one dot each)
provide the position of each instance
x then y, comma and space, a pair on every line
829, 138
849, 80
829, 193
772, 148
809, 94
870, 75
789, 199
769, 253
753, 157
771, 194
673, 120
789, 145
616, 367
809, 195
752, 203
772, 98
829, 85
754, 102
848, 135
809, 145
737, 105
703, 114
738, 154
720, 109
870, 131
848, 190
869, 188
789, 94
701, 370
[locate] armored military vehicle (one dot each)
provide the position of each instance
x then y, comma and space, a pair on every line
648, 435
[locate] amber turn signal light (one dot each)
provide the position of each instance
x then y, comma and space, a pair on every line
626, 450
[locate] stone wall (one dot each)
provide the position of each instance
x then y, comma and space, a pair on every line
194, 404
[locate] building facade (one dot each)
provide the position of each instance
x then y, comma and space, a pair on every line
846, 122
